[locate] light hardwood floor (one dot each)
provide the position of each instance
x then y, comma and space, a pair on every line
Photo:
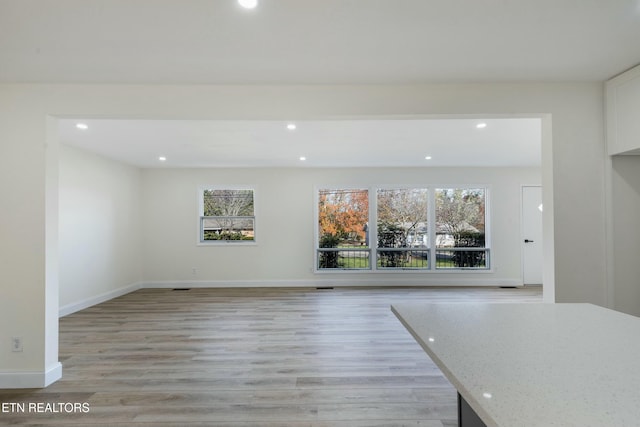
251, 357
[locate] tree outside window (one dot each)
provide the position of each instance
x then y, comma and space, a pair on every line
343, 216
402, 228
425, 229
460, 223
227, 215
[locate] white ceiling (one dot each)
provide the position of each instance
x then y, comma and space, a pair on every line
324, 143
315, 42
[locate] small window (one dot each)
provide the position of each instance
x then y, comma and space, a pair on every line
227, 215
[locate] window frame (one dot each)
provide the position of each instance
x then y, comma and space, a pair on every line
376, 249
200, 223
316, 233
487, 229
431, 230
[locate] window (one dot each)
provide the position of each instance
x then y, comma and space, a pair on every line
416, 229
343, 230
402, 233
460, 229
226, 215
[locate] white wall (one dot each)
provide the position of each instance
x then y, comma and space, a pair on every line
626, 233
99, 234
573, 155
622, 175
284, 202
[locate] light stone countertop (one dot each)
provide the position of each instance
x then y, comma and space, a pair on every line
535, 365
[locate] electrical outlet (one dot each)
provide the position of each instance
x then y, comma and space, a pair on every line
194, 271
16, 344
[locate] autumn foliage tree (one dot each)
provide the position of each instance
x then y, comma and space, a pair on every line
343, 216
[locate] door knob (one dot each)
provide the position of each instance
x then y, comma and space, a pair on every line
528, 241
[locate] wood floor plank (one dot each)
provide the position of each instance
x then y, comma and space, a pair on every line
251, 357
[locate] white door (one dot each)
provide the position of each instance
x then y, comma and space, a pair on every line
532, 235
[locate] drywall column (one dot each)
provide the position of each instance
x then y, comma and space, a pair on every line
28, 244
623, 201
626, 233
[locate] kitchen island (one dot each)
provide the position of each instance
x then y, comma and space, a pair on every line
533, 365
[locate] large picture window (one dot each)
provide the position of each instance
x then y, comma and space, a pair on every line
416, 229
226, 215
460, 228
402, 233
343, 230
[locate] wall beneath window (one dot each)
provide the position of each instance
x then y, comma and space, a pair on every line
100, 236
284, 249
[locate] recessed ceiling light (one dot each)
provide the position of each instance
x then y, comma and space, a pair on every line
481, 125
82, 126
303, 158
291, 126
162, 158
248, 4
427, 158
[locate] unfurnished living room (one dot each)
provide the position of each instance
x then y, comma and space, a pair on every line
319, 213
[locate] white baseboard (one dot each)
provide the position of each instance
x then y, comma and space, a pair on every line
86, 303
31, 379
342, 282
